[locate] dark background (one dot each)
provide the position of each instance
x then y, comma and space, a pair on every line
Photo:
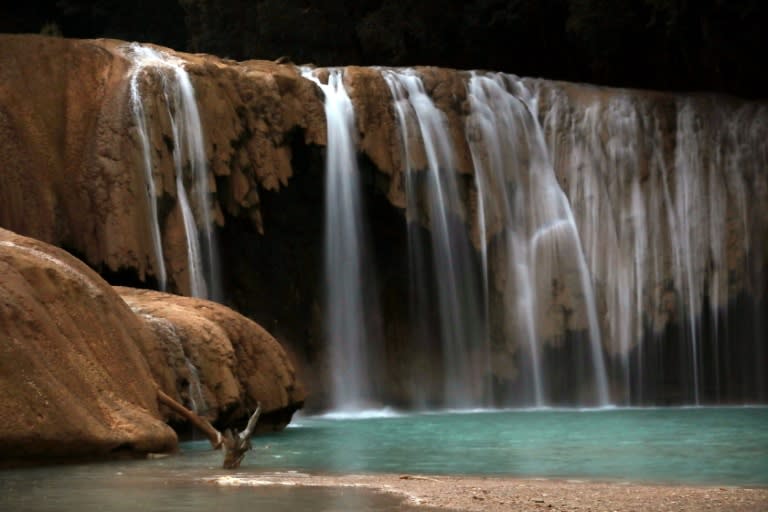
690, 45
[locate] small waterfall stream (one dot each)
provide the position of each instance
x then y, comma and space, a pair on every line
541, 247
493, 129
176, 356
464, 348
189, 134
347, 333
190, 167
137, 107
417, 261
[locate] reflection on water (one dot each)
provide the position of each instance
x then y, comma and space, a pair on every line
168, 486
697, 445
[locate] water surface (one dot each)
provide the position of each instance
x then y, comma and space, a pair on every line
719, 446
179, 483
685, 445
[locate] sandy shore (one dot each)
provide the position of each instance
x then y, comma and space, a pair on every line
514, 494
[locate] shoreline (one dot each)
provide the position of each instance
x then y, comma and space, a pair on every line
499, 493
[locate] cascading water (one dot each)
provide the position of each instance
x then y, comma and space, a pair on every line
601, 223
137, 107
189, 162
417, 264
655, 212
491, 135
614, 223
581, 283
196, 398
464, 342
541, 247
351, 386
185, 122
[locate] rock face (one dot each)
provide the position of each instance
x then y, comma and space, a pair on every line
74, 379
66, 120
216, 361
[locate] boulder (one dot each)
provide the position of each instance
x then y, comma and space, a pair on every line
74, 380
216, 361
80, 366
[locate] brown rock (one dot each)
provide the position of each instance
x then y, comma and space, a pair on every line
59, 107
73, 174
74, 380
238, 362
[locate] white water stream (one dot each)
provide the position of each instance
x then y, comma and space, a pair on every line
190, 167
348, 336
465, 351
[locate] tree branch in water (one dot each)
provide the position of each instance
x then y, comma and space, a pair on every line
235, 445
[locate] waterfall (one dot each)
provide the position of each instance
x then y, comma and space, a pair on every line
189, 165
417, 262
492, 131
464, 343
346, 279
197, 284
542, 247
587, 259
656, 187
610, 232
137, 108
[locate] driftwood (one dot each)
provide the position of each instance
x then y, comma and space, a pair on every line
235, 445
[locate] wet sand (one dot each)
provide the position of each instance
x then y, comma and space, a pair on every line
492, 494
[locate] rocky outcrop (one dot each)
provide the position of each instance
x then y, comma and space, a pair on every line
74, 379
82, 361
216, 361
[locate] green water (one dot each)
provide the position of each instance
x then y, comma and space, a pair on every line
721, 446
696, 445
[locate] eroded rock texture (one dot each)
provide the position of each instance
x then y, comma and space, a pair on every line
216, 361
66, 122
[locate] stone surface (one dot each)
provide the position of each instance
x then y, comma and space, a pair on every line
80, 365
74, 380
217, 361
